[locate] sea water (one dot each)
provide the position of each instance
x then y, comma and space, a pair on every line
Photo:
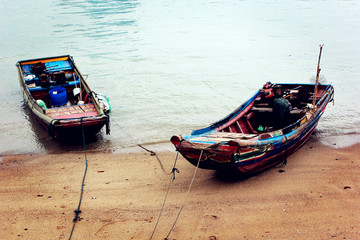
169, 67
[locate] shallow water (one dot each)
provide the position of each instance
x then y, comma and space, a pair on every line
173, 66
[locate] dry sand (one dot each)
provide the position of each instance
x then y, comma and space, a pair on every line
317, 196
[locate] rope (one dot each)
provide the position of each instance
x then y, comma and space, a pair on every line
185, 199
187, 195
173, 172
107, 124
77, 211
51, 130
167, 192
152, 153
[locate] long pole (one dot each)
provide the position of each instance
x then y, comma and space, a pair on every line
317, 78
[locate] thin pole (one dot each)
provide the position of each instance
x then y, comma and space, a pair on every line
317, 77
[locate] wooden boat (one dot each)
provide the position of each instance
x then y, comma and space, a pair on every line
60, 98
251, 139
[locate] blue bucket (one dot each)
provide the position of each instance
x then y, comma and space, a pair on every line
58, 96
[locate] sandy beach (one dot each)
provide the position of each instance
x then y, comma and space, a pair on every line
315, 196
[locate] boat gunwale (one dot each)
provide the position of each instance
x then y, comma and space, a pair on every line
39, 112
278, 136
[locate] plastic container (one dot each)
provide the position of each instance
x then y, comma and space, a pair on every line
41, 103
58, 96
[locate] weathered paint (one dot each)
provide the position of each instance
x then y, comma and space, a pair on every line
67, 126
256, 152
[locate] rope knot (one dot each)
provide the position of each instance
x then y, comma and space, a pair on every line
77, 217
174, 171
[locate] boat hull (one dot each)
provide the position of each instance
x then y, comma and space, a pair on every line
64, 129
251, 152
80, 115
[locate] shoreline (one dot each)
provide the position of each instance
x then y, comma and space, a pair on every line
332, 141
315, 196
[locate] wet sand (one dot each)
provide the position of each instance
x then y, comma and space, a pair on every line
315, 196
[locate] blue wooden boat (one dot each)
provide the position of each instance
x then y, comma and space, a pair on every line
60, 98
253, 137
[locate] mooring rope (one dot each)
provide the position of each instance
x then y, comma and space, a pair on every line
173, 172
185, 199
167, 192
51, 129
77, 211
187, 195
152, 153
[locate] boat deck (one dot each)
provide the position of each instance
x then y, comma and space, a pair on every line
75, 111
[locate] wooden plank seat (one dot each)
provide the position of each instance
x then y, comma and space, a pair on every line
269, 109
75, 111
35, 88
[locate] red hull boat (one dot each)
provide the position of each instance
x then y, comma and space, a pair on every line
253, 137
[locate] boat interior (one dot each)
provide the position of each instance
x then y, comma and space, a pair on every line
57, 89
258, 117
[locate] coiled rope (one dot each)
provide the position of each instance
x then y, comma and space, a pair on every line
77, 211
